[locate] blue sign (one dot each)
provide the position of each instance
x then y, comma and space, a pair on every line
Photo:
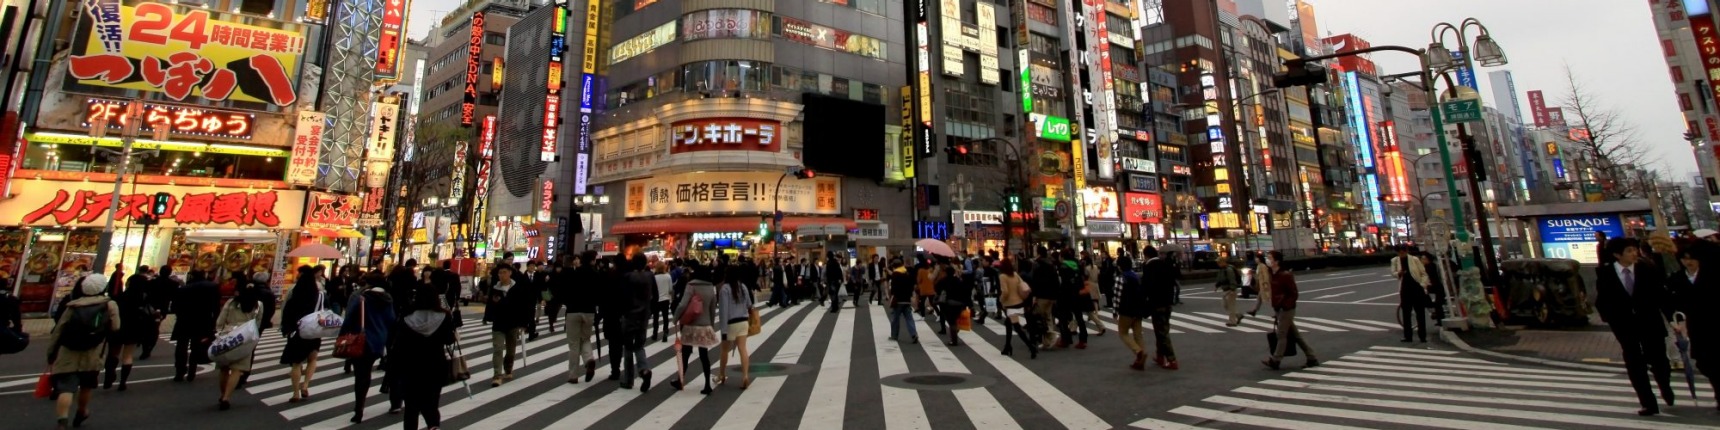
1465, 75
1579, 228
586, 82
1214, 133
1695, 7
939, 230
1559, 168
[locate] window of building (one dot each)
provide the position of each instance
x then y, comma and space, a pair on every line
875, 7
968, 102
495, 38
1042, 14
1677, 74
1119, 26
1684, 102
1666, 45
1042, 44
167, 162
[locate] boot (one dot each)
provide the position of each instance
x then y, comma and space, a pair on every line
124, 374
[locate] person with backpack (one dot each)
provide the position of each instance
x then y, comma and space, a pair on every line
1229, 282
140, 328
246, 307
422, 341
639, 292
194, 309
1132, 309
955, 292
78, 346
1159, 274
1070, 309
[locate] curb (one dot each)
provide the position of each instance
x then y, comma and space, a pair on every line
1452, 338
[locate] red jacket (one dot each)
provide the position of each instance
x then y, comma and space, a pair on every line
1284, 293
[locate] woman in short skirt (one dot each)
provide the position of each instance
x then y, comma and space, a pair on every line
735, 303
300, 355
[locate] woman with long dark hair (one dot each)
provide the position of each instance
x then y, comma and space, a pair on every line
736, 304
1695, 289
371, 312
300, 355
698, 331
955, 295
243, 308
1014, 300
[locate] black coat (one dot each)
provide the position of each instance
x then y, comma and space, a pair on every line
1641, 314
401, 285
419, 358
137, 325
1697, 300
195, 306
301, 301
1159, 279
578, 289
512, 309
10, 317
1132, 298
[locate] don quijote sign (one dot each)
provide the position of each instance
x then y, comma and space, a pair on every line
722, 134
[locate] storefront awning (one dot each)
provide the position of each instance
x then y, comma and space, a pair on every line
718, 224
230, 236
340, 233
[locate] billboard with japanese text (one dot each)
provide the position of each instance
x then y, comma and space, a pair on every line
50, 203
732, 192
187, 53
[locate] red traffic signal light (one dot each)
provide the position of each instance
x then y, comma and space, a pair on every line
804, 173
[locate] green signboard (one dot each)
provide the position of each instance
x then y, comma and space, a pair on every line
1051, 127
1457, 111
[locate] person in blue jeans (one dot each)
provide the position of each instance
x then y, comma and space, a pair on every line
901, 299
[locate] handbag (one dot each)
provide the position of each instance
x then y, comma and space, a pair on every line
44, 385
965, 323
695, 309
351, 345
457, 370
234, 344
321, 324
754, 324
1026, 290
1272, 344
13, 341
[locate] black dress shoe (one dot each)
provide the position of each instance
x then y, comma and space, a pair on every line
1648, 411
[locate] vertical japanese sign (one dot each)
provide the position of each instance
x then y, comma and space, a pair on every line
307, 142
486, 150
548, 151
1538, 109
316, 12
1104, 117
457, 175
474, 52
383, 119
588, 56
388, 47
546, 200
497, 68
1708, 46
582, 162
908, 128
188, 53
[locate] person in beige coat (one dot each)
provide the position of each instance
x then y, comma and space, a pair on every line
243, 308
75, 370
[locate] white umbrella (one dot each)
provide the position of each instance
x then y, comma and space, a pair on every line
936, 247
315, 250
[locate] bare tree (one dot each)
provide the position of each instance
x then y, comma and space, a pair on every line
1612, 145
433, 163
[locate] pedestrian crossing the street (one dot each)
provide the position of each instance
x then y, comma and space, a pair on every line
811, 369
1185, 322
1391, 387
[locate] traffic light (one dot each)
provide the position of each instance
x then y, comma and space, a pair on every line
1300, 74
957, 150
1472, 159
763, 229
804, 173
1014, 199
160, 206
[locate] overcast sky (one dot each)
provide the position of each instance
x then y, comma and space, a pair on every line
1620, 64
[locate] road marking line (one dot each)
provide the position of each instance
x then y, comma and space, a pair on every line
1448, 378
1258, 421
1471, 410
1308, 301
1301, 324
1375, 298
1428, 357
903, 408
1472, 389
1346, 293
324, 358
1196, 327
1505, 375
1364, 415
1337, 323
982, 408
671, 411
1386, 325
1466, 366
1054, 401
1153, 424
1346, 286
342, 380
830, 389
1262, 325
1215, 319
1586, 407
343, 396
749, 407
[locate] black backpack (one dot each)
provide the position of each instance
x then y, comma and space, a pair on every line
87, 328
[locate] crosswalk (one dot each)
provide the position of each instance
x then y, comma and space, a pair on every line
1184, 322
1391, 387
824, 373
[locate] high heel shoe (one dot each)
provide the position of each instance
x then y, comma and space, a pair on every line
745, 382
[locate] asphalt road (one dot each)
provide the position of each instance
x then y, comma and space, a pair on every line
816, 369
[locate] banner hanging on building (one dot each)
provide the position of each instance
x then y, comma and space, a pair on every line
731, 192
189, 54
390, 44
48, 203
307, 144
328, 210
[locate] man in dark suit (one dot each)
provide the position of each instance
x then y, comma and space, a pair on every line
1631, 296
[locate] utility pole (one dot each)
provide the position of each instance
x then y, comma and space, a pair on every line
129, 123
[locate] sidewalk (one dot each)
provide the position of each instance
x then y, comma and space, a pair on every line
1592, 345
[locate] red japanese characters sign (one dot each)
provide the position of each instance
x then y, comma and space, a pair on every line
179, 120
332, 210
60, 203
388, 47
474, 50
1142, 208
725, 134
551, 117
1707, 45
188, 53
546, 201
307, 147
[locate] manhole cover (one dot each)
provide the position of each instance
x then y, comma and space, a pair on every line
772, 369
937, 381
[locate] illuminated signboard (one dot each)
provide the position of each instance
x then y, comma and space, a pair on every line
307, 145
643, 43
582, 158
497, 68
332, 210
1139, 165
382, 122
474, 50
1359, 118
187, 53
908, 128
1142, 208
84, 204
486, 149
546, 200
588, 56
726, 24
558, 35
388, 46
830, 38
1051, 127
723, 134
179, 120
551, 113
458, 175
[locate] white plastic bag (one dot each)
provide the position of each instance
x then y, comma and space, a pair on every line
234, 344
322, 324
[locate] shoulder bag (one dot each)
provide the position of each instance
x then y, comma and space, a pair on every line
351, 345
457, 370
322, 323
755, 325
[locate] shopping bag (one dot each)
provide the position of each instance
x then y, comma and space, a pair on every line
45, 385
965, 323
991, 305
1272, 345
234, 344
351, 345
457, 370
